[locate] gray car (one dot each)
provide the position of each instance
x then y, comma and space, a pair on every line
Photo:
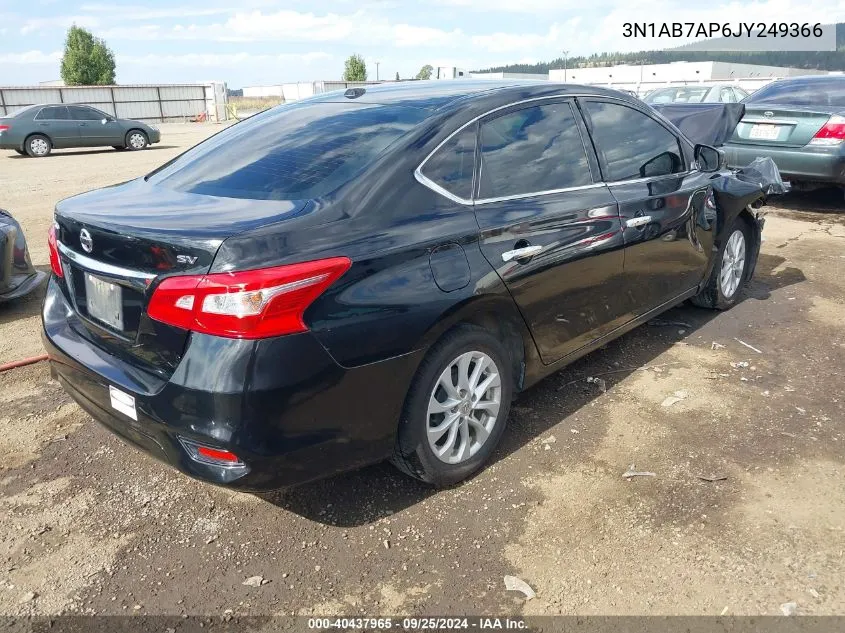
37, 130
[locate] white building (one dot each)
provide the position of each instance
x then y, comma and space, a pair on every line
646, 77
501, 75
449, 72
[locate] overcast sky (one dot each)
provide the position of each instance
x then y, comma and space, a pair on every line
251, 42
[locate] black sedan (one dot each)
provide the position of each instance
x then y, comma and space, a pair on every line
374, 274
37, 130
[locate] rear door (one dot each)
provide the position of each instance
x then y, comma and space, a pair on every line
54, 121
548, 226
91, 130
646, 166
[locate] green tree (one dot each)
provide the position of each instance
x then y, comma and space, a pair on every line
355, 69
397, 76
87, 60
425, 72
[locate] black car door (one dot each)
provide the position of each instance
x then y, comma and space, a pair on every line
646, 164
548, 225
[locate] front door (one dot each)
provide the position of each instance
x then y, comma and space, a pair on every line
548, 226
91, 129
660, 200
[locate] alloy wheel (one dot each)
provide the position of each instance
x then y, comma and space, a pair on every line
463, 407
733, 264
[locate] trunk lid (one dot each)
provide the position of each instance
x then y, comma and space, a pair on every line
117, 243
779, 125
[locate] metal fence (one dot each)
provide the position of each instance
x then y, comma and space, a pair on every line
171, 102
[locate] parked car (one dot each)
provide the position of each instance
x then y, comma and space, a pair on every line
37, 130
800, 124
17, 275
374, 274
697, 93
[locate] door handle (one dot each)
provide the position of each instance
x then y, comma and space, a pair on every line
521, 253
638, 221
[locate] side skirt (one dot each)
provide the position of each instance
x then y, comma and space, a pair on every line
547, 370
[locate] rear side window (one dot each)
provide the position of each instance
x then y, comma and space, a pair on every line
632, 145
53, 113
532, 150
807, 92
452, 165
295, 152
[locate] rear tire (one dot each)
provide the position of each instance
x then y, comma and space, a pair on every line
728, 275
136, 140
21, 152
38, 146
456, 408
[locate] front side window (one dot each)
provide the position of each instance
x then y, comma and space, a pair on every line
452, 165
85, 114
292, 152
532, 150
52, 113
632, 145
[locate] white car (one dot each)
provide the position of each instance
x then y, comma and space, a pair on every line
712, 93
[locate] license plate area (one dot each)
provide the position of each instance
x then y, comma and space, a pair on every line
104, 301
764, 132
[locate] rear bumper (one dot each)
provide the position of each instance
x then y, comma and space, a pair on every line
283, 406
810, 164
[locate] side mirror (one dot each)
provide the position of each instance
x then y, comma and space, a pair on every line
104, 121
709, 158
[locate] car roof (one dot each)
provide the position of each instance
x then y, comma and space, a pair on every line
439, 94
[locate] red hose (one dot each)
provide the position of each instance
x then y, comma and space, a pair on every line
23, 363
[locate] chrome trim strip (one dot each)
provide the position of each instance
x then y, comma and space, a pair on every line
101, 267
770, 121
520, 196
633, 181
426, 182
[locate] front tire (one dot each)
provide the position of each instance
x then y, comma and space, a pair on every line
38, 146
729, 271
136, 140
456, 408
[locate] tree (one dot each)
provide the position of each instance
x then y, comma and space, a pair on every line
397, 76
425, 72
87, 60
355, 69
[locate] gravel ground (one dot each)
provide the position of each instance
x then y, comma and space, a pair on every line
89, 525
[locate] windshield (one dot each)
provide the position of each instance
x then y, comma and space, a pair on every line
804, 92
293, 152
681, 94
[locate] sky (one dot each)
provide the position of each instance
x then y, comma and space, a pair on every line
259, 42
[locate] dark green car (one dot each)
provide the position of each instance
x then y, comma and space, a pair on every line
800, 124
37, 130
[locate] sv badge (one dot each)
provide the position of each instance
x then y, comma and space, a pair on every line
185, 259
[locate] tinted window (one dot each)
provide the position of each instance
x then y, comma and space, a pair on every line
531, 150
631, 144
809, 92
452, 165
85, 114
54, 113
297, 151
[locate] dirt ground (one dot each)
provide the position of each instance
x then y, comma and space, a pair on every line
89, 525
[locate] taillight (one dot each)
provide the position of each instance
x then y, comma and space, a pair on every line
55, 262
249, 304
832, 132
3, 128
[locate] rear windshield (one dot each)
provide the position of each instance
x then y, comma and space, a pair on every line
292, 152
682, 94
813, 92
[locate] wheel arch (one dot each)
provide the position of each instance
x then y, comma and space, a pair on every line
135, 129
31, 134
498, 315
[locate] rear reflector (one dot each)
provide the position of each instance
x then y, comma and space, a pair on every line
249, 304
210, 455
55, 262
832, 133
